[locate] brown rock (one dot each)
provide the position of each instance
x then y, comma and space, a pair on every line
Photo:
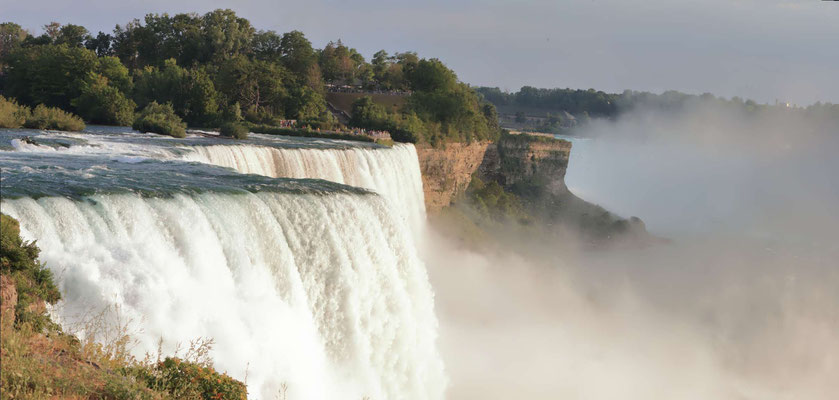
447, 171
8, 300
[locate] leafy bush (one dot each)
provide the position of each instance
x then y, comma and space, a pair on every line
12, 115
234, 130
160, 118
43, 117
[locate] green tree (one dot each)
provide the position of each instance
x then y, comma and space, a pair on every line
101, 44
380, 63
339, 63
72, 35
126, 43
116, 73
52, 30
100, 103
431, 75
258, 86
11, 38
49, 74
305, 104
267, 46
369, 115
191, 92
226, 34
296, 53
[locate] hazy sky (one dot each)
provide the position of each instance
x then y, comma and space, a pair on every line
761, 49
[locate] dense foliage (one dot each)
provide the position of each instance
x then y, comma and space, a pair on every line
216, 68
160, 118
14, 115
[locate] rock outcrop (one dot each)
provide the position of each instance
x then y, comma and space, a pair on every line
447, 170
528, 163
514, 161
530, 167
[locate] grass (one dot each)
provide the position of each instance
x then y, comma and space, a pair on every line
40, 360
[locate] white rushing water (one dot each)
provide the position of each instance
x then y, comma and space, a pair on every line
394, 173
324, 293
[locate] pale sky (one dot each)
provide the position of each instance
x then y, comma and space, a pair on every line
760, 49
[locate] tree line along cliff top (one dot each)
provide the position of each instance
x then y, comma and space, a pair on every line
216, 68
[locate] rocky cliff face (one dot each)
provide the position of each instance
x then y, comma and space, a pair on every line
523, 162
447, 171
533, 169
528, 164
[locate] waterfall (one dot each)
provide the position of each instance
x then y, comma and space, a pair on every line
324, 292
394, 173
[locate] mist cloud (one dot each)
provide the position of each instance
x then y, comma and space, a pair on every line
742, 303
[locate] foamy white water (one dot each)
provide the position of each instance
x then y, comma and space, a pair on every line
322, 292
394, 173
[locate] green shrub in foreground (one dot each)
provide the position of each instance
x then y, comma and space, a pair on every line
12, 115
43, 117
234, 130
160, 118
184, 379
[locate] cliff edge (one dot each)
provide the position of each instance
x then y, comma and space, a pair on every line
447, 171
529, 168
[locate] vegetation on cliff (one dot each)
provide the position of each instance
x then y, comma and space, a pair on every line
39, 360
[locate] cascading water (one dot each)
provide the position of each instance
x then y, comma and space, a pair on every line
393, 173
304, 282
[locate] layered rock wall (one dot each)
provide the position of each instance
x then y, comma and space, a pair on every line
513, 160
447, 170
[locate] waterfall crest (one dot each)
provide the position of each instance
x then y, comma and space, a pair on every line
394, 173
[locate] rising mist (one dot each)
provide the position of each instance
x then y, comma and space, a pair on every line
742, 301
